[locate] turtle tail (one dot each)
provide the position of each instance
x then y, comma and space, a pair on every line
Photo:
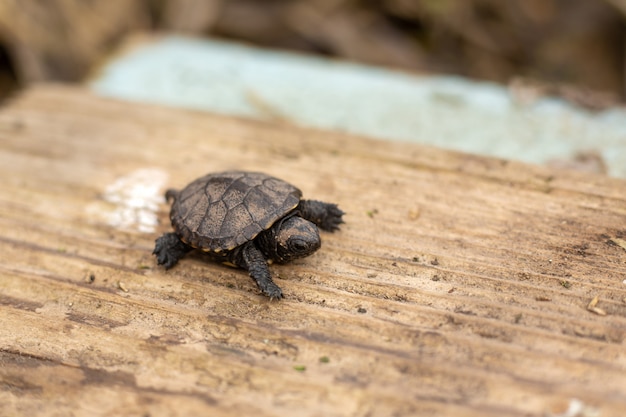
171, 194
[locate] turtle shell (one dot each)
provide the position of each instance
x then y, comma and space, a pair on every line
221, 211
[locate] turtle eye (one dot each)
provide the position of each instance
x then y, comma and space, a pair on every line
298, 245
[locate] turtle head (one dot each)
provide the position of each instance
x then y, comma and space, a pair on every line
294, 238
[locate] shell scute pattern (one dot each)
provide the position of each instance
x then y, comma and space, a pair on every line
219, 212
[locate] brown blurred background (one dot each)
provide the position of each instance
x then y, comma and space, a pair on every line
571, 48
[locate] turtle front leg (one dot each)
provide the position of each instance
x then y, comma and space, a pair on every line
326, 216
249, 257
169, 249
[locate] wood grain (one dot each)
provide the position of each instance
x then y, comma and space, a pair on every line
458, 286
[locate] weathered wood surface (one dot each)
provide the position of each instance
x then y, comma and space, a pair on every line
459, 285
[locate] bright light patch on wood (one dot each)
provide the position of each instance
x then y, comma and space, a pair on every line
134, 200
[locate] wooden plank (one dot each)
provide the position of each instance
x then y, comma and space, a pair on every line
459, 285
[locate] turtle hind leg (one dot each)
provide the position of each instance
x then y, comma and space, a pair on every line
249, 257
169, 249
326, 216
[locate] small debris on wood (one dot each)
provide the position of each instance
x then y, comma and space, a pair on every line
121, 286
434, 262
90, 278
565, 284
598, 311
361, 310
592, 307
619, 242
371, 213
543, 298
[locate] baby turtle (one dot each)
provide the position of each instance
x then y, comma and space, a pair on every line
245, 219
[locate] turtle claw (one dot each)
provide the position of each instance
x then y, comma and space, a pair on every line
334, 217
273, 291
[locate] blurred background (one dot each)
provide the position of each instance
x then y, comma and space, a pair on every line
571, 50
